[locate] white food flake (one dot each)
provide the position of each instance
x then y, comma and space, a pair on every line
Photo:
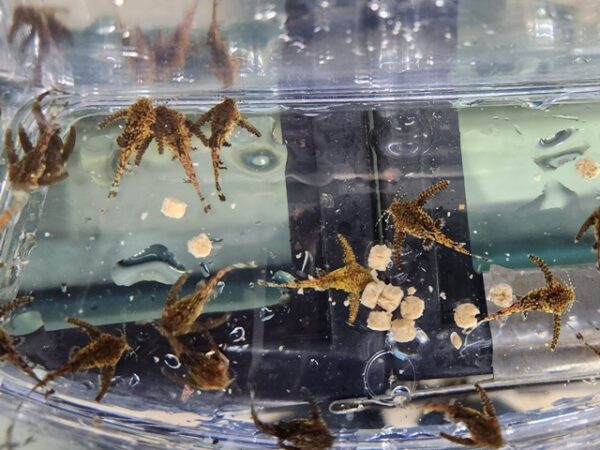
412, 307
380, 257
464, 315
173, 208
403, 330
200, 246
379, 320
502, 295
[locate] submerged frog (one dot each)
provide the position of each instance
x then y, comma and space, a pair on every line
592, 220
554, 298
223, 65
484, 426
8, 351
170, 128
42, 164
223, 118
205, 371
409, 217
302, 434
351, 278
103, 352
180, 314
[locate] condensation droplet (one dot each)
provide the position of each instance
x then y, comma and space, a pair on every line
172, 361
238, 334
266, 314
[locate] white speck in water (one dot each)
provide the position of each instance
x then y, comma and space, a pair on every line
144, 215
122, 243
251, 285
46, 234
156, 359
443, 295
238, 334
439, 3
118, 2
233, 205
313, 362
280, 348
131, 297
430, 288
172, 361
220, 286
266, 314
134, 380
63, 288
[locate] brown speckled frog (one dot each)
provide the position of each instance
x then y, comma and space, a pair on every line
310, 433
484, 426
554, 298
351, 278
103, 352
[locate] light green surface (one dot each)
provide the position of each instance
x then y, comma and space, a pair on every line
516, 207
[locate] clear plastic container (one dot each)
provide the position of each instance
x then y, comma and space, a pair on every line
358, 104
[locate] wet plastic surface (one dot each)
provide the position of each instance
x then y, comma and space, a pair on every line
358, 103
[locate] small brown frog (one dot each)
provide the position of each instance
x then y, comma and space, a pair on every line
301, 434
351, 278
592, 220
45, 30
44, 163
157, 61
409, 217
103, 352
554, 298
7, 346
224, 67
205, 371
180, 315
223, 118
484, 426
168, 127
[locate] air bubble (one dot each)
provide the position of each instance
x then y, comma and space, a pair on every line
172, 361
266, 314
238, 334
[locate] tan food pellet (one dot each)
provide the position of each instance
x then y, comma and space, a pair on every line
464, 315
173, 207
380, 257
200, 246
390, 297
456, 340
502, 295
371, 293
411, 290
379, 320
403, 330
587, 168
412, 307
